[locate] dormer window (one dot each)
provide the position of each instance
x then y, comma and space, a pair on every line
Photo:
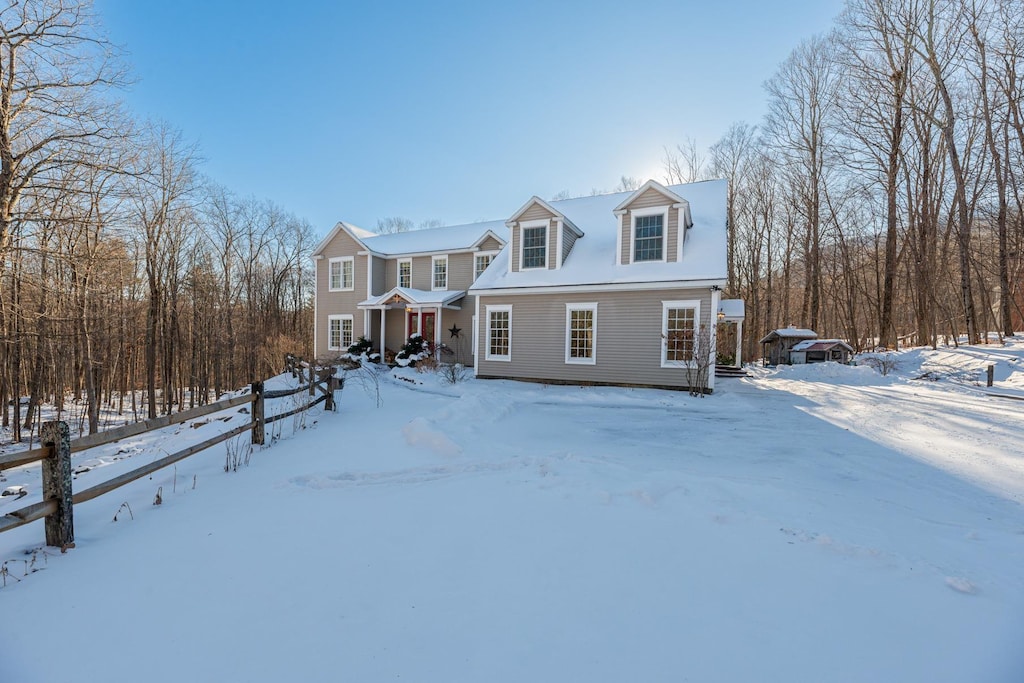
649, 234
535, 246
481, 262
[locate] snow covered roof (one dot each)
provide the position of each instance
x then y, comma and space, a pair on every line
419, 297
450, 238
789, 333
593, 259
732, 308
821, 345
535, 200
354, 231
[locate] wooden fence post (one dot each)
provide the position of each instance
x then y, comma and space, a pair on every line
257, 413
60, 526
990, 375
326, 375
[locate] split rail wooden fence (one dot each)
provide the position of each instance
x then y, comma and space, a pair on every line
57, 506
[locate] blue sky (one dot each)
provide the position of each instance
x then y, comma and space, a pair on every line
455, 111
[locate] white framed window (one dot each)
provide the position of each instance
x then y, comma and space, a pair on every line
533, 245
581, 333
440, 269
649, 233
341, 274
339, 332
405, 273
680, 328
480, 263
499, 332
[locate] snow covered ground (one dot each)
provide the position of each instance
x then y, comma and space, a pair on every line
816, 523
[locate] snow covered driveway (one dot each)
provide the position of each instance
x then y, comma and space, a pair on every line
824, 528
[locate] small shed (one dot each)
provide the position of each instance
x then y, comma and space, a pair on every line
821, 350
777, 344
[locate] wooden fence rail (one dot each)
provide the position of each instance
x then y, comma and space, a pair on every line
55, 453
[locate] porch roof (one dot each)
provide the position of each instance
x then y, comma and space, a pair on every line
417, 298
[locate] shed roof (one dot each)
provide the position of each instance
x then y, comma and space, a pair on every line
789, 333
822, 345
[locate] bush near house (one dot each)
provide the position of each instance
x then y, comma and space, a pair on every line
415, 349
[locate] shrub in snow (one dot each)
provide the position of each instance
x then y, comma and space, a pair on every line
359, 353
415, 349
452, 373
883, 363
362, 345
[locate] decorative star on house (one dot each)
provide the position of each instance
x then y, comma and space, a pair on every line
454, 331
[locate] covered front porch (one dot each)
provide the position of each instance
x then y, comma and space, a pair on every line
729, 338
404, 311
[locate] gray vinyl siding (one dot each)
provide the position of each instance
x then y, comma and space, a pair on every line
490, 244
394, 332
625, 223
628, 337
336, 303
422, 272
536, 213
552, 245
379, 275
648, 199
514, 246
390, 274
672, 238
568, 239
460, 271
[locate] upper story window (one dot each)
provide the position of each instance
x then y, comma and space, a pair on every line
649, 237
535, 246
405, 273
341, 274
440, 279
480, 264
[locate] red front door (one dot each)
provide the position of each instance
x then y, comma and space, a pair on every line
422, 323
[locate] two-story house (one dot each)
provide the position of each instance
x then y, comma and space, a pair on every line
620, 288
386, 287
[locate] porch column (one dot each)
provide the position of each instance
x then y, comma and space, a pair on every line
366, 322
383, 317
437, 328
739, 343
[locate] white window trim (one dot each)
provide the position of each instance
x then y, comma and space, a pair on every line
433, 278
665, 307
649, 211
341, 336
492, 254
398, 273
523, 226
569, 308
341, 273
487, 348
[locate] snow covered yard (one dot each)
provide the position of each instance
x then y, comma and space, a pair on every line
820, 523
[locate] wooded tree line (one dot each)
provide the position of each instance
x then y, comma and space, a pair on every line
880, 199
126, 279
